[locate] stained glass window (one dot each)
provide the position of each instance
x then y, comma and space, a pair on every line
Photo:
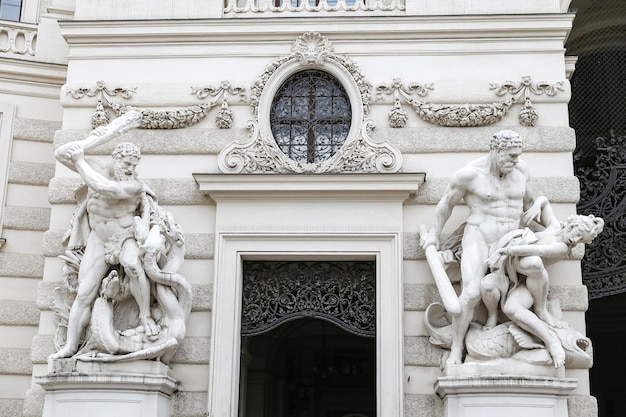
310, 116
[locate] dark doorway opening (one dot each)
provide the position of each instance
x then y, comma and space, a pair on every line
308, 368
308, 338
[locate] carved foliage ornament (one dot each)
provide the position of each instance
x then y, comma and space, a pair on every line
166, 118
528, 115
466, 115
261, 154
312, 48
343, 293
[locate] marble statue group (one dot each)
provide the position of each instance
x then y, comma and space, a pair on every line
503, 249
123, 297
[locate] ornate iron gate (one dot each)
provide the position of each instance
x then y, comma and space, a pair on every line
343, 293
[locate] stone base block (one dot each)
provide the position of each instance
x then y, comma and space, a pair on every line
510, 396
132, 389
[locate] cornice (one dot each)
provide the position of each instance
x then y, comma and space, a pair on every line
354, 28
297, 186
33, 72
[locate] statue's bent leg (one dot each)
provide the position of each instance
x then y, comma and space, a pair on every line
492, 289
537, 282
517, 309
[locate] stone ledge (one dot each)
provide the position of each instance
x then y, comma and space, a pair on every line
26, 218
18, 313
15, 362
33, 402
21, 265
202, 296
410, 140
582, 406
556, 189
412, 251
198, 246
173, 191
11, 407
428, 139
41, 347
162, 141
423, 405
189, 404
419, 296
192, 350
418, 351
35, 129
30, 173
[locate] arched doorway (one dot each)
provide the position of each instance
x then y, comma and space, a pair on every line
308, 339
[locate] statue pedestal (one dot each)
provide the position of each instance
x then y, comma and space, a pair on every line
501, 395
131, 389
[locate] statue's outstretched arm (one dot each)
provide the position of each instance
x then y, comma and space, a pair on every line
98, 136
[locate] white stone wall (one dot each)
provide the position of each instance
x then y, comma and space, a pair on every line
460, 55
26, 216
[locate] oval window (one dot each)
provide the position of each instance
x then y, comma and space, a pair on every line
310, 116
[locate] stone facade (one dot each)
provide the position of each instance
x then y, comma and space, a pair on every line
193, 57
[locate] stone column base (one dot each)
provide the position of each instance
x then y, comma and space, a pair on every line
508, 396
131, 389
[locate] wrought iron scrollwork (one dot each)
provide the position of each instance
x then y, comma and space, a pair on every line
343, 293
603, 193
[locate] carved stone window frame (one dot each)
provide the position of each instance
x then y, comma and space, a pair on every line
331, 67
233, 248
359, 154
255, 221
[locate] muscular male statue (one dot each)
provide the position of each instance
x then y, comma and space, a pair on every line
496, 190
111, 206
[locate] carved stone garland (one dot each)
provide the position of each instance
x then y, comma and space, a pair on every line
167, 118
466, 115
261, 154
343, 293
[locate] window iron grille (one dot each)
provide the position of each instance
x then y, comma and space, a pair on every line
310, 116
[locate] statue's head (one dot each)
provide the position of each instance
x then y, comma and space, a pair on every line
506, 147
126, 156
580, 228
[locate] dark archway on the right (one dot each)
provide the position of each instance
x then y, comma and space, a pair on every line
598, 114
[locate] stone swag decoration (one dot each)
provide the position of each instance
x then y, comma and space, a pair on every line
122, 298
164, 118
465, 115
504, 314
